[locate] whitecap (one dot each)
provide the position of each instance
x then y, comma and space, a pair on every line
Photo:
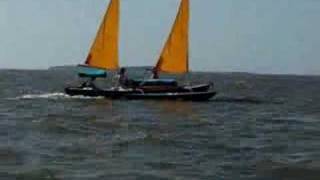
55, 95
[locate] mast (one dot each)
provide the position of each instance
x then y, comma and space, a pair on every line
104, 52
175, 54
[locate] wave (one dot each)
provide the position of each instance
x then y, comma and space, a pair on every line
252, 100
37, 174
249, 100
9, 156
56, 95
125, 139
286, 170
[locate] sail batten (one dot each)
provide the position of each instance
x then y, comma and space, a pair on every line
175, 54
104, 52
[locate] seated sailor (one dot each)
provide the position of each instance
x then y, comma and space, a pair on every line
89, 83
155, 74
123, 77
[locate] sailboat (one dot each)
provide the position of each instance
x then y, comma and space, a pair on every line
104, 56
104, 52
174, 58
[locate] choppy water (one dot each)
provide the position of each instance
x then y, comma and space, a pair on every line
258, 127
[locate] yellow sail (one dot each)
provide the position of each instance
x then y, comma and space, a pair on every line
104, 52
175, 55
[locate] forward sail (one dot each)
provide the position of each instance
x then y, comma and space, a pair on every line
104, 52
175, 54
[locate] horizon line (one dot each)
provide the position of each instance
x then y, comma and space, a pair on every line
204, 71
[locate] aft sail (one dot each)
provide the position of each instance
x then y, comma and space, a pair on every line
104, 52
175, 54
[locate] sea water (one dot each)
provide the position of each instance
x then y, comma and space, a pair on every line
257, 127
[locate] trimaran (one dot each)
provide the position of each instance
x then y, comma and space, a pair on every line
104, 55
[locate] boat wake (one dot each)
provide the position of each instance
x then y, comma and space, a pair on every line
56, 95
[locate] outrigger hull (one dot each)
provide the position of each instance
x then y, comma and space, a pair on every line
137, 94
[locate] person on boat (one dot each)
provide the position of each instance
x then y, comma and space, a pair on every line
123, 77
89, 83
155, 74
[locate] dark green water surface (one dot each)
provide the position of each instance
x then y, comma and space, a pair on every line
258, 127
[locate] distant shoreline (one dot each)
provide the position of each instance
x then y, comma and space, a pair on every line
146, 67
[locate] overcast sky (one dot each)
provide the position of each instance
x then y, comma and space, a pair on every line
264, 36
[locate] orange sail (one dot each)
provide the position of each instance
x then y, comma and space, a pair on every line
175, 55
104, 52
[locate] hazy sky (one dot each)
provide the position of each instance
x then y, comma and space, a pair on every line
265, 36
